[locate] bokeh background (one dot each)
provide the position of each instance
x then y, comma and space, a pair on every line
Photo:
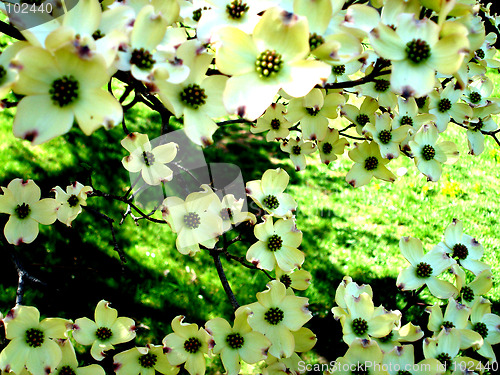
346, 231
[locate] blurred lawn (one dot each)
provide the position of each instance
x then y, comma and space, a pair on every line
346, 231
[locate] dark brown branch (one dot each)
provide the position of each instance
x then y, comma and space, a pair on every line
23, 276
244, 263
6, 104
492, 134
126, 195
348, 84
110, 221
124, 125
347, 127
237, 121
126, 93
143, 94
11, 31
411, 301
352, 136
223, 279
128, 201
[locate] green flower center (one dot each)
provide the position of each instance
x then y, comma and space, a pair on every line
226, 214
235, 340
192, 220
418, 51
406, 120
481, 329
34, 337
142, 58
193, 96
382, 85
313, 111
371, 163
275, 124
359, 326
197, 15
315, 41
467, 294
448, 324
3, 73
445, 359
444, 105
236, 9
476, 126
362, 119
475, 97
327, 148
268, 63
148, 360
421, 101
64, 91
387, 338
338, 70
428, 152
403, 372
460, 251
423, 270
274, 243
192, 345
286, 280
98, 34
73, 200
22, 210
274, 315
385, 136
66, 370
480, 53
296, 150
271, 202
149, 158
103, 333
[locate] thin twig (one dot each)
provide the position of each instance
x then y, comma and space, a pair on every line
6, 104
492, 134
412, 299
98, 193
124, 126
347, 127
223, 279
126, 93
11, 31
23, 276
110, 221
352, 136
243, 262
347, 84
143, 94
236, 121
131, 187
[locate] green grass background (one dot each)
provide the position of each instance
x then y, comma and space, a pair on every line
346, 231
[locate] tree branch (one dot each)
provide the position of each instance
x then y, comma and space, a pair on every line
11, 31
110, 221
412, 299
347, 84
128, 201
23, 276
223, 279
236, 121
